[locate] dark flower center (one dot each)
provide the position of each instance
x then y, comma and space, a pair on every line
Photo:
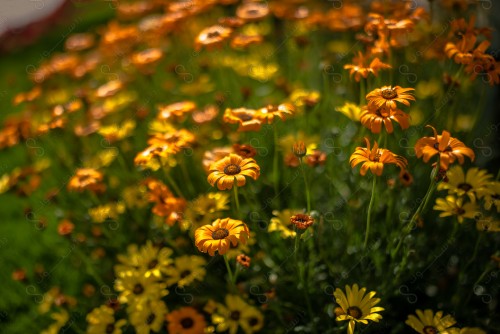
389, 93
110, 328
447, 149
464, 186
186, 273
354, 312
153, 264
138, 289
377, 157
232, 169
220, 233
430, 330
235, 315
150, 319
213, 34
245, 117
459, 211
187, 323
253, 321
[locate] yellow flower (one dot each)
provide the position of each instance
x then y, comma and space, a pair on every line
186, 269
430, 323
148, 317
102, 320
356, 306
220, 235
474, 184
116, 132
60, 318
236, 313
351, 110
452, 206
201, 210
111, 211
488, 224
136, 289
282, 224
493, 197
149, 260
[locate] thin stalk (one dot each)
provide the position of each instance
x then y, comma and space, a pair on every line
276, 175
308, 192
420, 210
236, 200
173, 184
369, 216
229, 272
474, 253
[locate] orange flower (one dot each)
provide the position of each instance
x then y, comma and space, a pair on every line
230, 169
449, 149
212, 36
245, 151
177, 139
244, 260
375, 159
387, 97
176, 110
373, 117
186, 320
246, 118
463, 51
86, 178
219, 236
316, 158
359, 69
166, 205
301, 221
269, 112
252, 11
146, 60
79, 42
144, 158
243, 41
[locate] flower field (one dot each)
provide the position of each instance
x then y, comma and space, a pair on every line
253, 167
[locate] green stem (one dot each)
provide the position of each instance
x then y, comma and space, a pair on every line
474, 253
420, 210
230, 273
236, 200
89, 266
362, 91
276, 175
308, 192
173, 184
369, 216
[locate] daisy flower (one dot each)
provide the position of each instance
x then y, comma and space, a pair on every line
231, 169
357, 306
219, 236
387, 96
430, 323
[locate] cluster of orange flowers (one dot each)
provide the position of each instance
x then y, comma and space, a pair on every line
156, 146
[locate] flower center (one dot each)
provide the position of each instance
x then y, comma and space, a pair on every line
354, 312
464, 186
213, 34
186, 272
187, 323
110, 328
447, 149
220, 233
430, 330
253, 321
377, 157
150, 319
153, 264
459, 211
138, 289
232, 169
235, 315
389, 93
